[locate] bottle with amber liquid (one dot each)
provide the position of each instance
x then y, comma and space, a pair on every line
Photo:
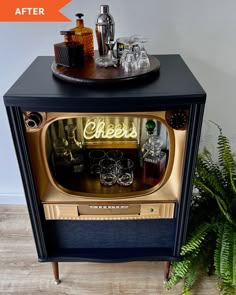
69, 53
84, 36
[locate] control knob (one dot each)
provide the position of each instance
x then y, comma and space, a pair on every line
177, 119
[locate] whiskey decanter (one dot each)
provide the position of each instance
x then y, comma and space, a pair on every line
84, 36
154, 159
60, 158
69, 53
74, 150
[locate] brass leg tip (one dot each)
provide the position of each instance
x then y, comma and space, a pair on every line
57, 282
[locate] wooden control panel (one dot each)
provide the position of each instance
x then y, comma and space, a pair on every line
108, 212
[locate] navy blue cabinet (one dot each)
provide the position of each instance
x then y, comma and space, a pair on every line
74, 218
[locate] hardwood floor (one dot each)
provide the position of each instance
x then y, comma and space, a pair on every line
21, 274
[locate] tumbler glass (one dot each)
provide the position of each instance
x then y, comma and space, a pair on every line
123, 57
143, 60
130, 64
114, 154
128, 58
108, 172
95, 156
125, 172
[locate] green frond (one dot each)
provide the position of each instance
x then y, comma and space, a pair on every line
209, 180
193, 245
233, 257
210, 174
218, 126
186, 291
211, 237
218, 180
191, 276
227, 290
225, 254
186, 269
179, 270
222, 250
221, 203
226, 160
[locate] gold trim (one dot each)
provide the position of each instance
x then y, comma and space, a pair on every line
41, 125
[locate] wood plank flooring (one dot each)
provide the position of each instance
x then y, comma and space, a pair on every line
21, 274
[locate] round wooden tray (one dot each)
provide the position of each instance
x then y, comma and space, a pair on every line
90, 73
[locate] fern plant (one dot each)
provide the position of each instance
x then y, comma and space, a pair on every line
211, 239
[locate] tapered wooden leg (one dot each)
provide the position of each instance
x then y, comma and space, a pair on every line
166, 270
55, 269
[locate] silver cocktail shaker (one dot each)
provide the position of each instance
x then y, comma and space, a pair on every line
105, 29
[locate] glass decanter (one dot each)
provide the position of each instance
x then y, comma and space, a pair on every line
74, 150
154, 159
69, 53
84, 36
60, 159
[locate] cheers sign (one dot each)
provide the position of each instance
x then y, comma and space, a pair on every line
100, 129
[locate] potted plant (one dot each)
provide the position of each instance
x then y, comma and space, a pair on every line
211, 238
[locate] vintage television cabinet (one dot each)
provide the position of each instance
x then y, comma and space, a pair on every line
76, 218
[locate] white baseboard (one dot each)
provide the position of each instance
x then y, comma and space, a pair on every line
12, 199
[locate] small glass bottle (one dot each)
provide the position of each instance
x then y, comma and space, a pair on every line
154, 159
84, 36
75, 151
69, 53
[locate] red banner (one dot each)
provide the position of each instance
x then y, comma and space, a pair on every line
32, 11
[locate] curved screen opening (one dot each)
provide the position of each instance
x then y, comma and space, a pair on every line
109, 156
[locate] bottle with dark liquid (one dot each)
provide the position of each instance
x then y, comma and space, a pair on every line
69, 53
154, 159
154, 164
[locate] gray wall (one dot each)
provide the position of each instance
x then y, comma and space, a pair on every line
203, 32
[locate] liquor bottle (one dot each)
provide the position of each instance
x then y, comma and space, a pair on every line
154, 159
69, 53
105, 29
84, 36
75, 150
60, 159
